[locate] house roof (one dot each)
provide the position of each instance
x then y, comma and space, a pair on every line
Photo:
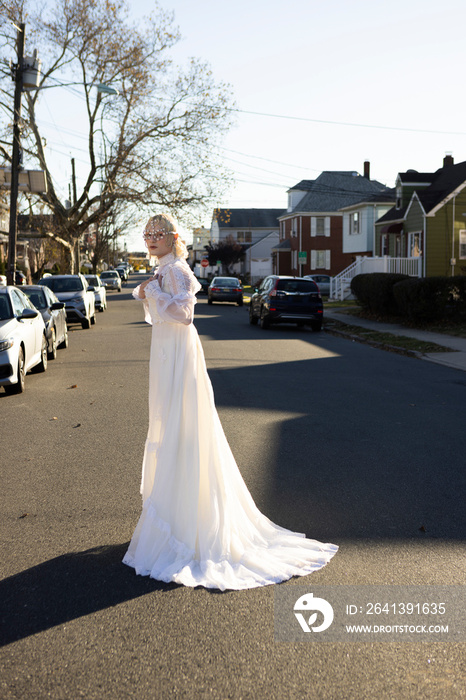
392, 214
248, 218
443, 183
414, 176
446, 180
283, 245
385, 196
334, 189
302, 185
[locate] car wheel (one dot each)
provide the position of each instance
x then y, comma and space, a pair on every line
85, 323
93, 319
65, 342
209, 301
42, 366
52, 349
265, 322
101, 308
18, 388
252, 319
240, 302
316, 326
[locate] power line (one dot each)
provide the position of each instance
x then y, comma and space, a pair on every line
354, 124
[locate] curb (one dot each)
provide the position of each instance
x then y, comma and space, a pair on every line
374, 343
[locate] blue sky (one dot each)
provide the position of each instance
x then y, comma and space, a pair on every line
324, 66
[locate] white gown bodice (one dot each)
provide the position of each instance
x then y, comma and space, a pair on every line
171, 294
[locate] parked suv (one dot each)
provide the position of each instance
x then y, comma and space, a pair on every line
282, 299
79, 298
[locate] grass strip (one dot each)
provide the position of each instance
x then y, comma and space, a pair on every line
389, 341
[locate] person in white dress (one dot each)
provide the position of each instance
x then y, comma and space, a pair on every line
199, 524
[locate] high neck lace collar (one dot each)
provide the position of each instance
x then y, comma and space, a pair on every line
165, 260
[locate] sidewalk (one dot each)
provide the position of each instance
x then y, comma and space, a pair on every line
455, 359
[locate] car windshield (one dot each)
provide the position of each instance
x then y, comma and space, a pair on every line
93, 281
225, 282
63, 284
297, 285
5, 308
37, 297
104, 275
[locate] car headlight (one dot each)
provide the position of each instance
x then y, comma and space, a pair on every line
6, 344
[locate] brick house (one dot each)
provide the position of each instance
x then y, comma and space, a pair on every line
311, 230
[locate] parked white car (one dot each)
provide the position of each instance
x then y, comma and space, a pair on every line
23, 344
3, 281
79, 298
100, 291
111, 279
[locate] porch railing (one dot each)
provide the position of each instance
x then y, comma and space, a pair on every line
341, 284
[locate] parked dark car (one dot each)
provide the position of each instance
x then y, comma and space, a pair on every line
204, 285
79, 298
20, 278
282, 299
54, 315
225, 289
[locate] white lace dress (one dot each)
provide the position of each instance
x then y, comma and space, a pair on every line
199, 524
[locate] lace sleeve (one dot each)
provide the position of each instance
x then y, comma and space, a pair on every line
176, 306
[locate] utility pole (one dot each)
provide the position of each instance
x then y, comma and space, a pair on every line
76, 251
15, 164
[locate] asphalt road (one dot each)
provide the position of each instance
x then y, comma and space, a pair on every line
349, 444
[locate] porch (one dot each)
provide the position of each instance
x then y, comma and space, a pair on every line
340, 286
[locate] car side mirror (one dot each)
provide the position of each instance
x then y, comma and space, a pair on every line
57, 305
28, 313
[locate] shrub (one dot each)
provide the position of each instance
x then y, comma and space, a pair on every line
431, 298
374, 291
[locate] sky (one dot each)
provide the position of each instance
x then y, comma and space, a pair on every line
318, 86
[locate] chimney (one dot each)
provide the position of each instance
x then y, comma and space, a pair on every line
367, 170
448, 160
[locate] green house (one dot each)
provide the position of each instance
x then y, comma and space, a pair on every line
427, 225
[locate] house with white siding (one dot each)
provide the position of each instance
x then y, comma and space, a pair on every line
255, 229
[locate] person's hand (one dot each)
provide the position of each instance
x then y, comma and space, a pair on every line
143, 285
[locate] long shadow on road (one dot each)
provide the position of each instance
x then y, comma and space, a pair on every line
66, 588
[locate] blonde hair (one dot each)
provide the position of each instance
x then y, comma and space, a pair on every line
167, 223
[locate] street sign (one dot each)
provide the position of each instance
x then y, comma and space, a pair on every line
204, 263
302, 257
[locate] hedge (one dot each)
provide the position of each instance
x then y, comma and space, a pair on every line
374, 291
431, 298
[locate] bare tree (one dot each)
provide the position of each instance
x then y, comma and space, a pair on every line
228, 252
153, 145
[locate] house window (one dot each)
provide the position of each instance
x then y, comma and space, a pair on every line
414, 245
384, 244
320, 259
320, 226
398, 197
294, 259
294, 227
354, 223
462, 244
244, 237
